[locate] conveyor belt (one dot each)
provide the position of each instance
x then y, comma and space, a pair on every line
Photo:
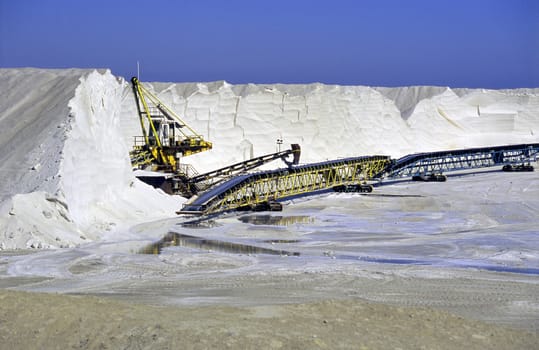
212, 178
273, 185
471, 158
198, 203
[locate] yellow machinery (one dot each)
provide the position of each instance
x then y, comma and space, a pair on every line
263, 190
166, 137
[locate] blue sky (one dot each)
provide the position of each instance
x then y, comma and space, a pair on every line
457, 43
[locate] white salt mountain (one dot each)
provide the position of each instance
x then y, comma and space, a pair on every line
65, 137
66, 173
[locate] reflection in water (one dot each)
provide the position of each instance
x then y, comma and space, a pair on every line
201, 224
172, 239
276, 220
398, 261
273, 241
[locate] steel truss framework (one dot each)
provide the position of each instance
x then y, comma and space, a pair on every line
275, 185
446, 161
280, 184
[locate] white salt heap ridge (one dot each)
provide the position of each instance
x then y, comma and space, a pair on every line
66, 170
331, 121
65, 136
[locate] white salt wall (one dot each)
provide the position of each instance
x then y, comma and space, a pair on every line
75, 136
96, 177
65, 137
331, 121
95, 168
246, 120
477, 118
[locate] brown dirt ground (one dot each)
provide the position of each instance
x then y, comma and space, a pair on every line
55, 321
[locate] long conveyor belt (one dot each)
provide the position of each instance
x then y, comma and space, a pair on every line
274, 185
471, 158
251, 189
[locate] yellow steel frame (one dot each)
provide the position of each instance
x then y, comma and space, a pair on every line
192, 134
192, 143
275, 185
157, 152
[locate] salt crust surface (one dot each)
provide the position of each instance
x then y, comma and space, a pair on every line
65, 136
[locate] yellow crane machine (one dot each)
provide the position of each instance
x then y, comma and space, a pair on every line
166, 137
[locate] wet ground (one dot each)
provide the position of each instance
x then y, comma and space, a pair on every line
469, 246
483, 221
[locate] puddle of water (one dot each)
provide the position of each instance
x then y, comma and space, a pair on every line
399, 261
275, 241
523, 270
387, 260
173, 239
201, 224
276, 220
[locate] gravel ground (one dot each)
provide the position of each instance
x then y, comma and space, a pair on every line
51, 321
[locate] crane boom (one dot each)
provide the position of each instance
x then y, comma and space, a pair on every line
196, 184
165, 135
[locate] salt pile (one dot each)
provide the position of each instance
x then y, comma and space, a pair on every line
331, 121
66, 170
65, 136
